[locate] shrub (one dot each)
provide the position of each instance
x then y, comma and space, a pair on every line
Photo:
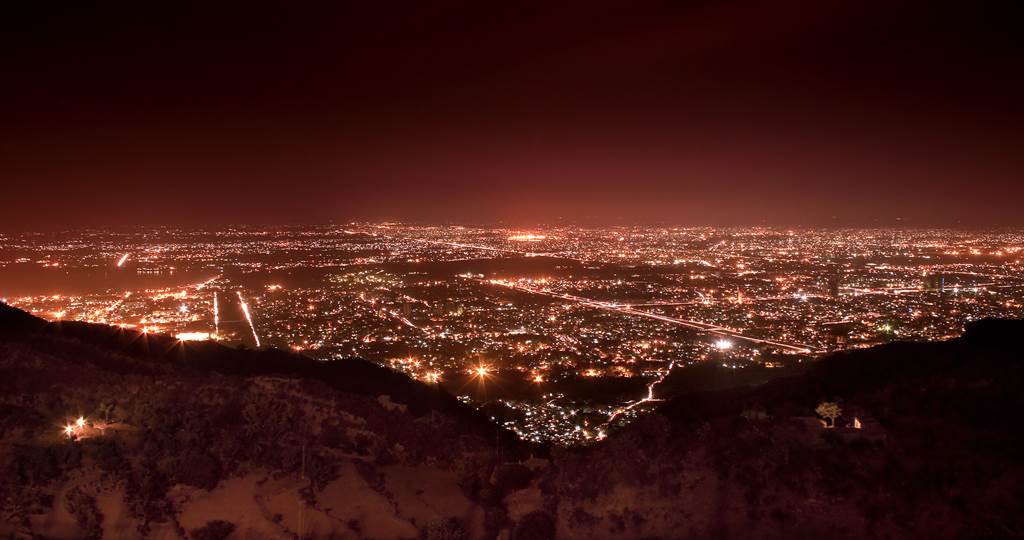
213, 530
87, 516
105, 453
198, 469
449, 529
145, 492
513, 476
537, 525
36, 465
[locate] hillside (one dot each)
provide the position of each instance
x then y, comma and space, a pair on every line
180, 435
199, 440
939, 452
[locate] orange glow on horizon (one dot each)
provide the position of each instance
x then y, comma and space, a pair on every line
194, 336
527, 237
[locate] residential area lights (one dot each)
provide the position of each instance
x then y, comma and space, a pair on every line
564, 307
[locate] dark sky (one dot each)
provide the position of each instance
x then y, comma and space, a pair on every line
718, 112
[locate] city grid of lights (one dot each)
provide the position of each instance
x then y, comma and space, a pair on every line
484, 311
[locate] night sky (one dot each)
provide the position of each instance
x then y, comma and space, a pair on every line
718, 113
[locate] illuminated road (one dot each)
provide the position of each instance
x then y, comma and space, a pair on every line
385, 313
248, 318
405, 296
706, 301
103, 315
404, 321
627, 310
650, 395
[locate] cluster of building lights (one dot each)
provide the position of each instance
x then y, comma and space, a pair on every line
579, 304
75, 428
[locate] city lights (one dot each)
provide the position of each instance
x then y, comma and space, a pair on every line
193, 336
527, 237
580, 306
248, 317
481, 270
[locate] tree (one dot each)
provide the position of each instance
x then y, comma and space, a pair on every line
829, 410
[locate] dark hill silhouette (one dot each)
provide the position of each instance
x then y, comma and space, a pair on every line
939, 452
214, 440
136, 352
988, 349
166, 421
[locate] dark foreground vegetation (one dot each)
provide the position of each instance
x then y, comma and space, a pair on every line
927, 443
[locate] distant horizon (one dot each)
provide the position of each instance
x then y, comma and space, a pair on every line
581, 224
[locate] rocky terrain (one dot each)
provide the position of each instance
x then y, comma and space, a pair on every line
200, 440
